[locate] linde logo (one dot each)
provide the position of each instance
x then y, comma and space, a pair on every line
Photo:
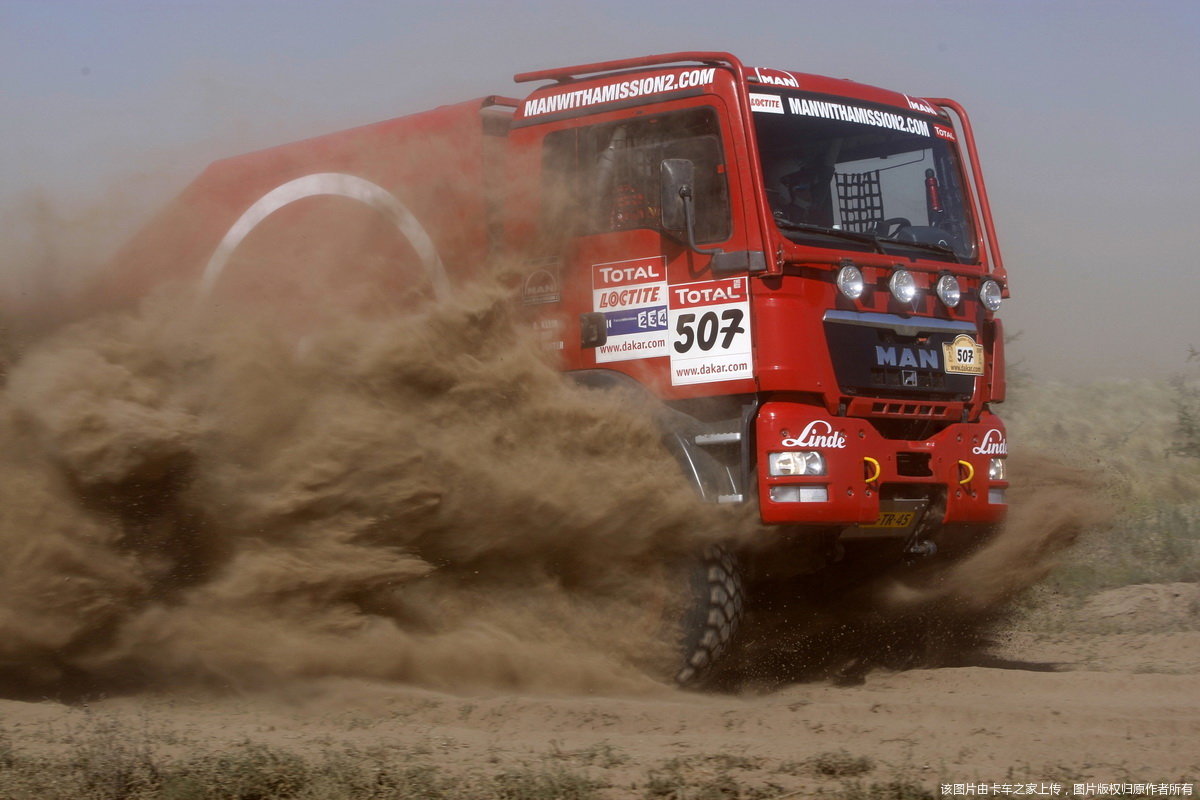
892, 356
917, 104
638, 274
778, 79
993, 444
817, 433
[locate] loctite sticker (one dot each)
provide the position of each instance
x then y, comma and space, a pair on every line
632, 296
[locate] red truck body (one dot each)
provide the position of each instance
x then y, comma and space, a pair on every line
868, 414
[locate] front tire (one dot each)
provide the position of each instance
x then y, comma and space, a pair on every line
712, 616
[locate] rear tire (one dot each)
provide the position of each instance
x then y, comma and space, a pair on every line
712, 616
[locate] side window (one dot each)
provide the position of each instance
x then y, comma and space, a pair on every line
604, 178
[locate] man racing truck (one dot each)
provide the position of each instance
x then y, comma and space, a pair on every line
802, 269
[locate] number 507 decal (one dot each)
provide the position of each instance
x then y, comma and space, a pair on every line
710, 331
703, 333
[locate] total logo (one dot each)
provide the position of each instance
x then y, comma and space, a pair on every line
817, 433
993, 444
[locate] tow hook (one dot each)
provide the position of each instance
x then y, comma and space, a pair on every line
920, 549
918, 546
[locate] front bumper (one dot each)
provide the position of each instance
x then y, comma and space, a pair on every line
864, 468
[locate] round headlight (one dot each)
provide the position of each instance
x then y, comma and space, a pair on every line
948, 290
989, 294
903, 286
850, 281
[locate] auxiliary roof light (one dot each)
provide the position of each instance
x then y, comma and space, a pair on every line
948, 290
989, 295
903, 286
850, 281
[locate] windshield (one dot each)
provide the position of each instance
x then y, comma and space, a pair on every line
844, 173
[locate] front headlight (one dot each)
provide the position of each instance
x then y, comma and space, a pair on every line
903, 286
948, 290
796, 462
989, 295
996, 469
850, 281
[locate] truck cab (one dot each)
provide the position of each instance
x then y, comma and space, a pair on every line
803, 269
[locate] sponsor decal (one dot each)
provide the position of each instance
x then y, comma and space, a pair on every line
943, 132
549, 333
632, 295
917, 104
863, 116
541, 286
709, 327
993, 444
900, 356
618, 90
817, 434
776, 77
690, 295
621, 323
624, 273
963, 356
766, 103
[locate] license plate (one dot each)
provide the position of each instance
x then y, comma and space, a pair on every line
893, 519
963, 356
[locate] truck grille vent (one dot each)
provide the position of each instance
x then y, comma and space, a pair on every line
908, 410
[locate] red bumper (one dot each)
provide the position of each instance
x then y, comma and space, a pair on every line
860, 465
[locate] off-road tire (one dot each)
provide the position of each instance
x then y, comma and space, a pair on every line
712, 617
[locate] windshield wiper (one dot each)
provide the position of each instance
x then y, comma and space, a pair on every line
876, 243
838, 233
937, 248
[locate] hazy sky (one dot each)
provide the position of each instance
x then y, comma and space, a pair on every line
1087, 115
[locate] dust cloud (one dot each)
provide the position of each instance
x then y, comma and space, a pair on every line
881, 610
193, 495
191, 498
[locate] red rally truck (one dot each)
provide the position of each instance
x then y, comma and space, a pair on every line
803, 270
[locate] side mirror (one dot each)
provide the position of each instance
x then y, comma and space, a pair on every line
678, 177
676, 199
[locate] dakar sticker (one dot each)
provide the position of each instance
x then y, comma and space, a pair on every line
632, 296
963, 356
710, 331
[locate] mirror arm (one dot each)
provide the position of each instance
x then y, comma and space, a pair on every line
685, 192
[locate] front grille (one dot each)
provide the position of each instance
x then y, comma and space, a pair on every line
901, 409
892, 377
882, 355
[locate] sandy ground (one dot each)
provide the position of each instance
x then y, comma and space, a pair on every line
1066, 706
